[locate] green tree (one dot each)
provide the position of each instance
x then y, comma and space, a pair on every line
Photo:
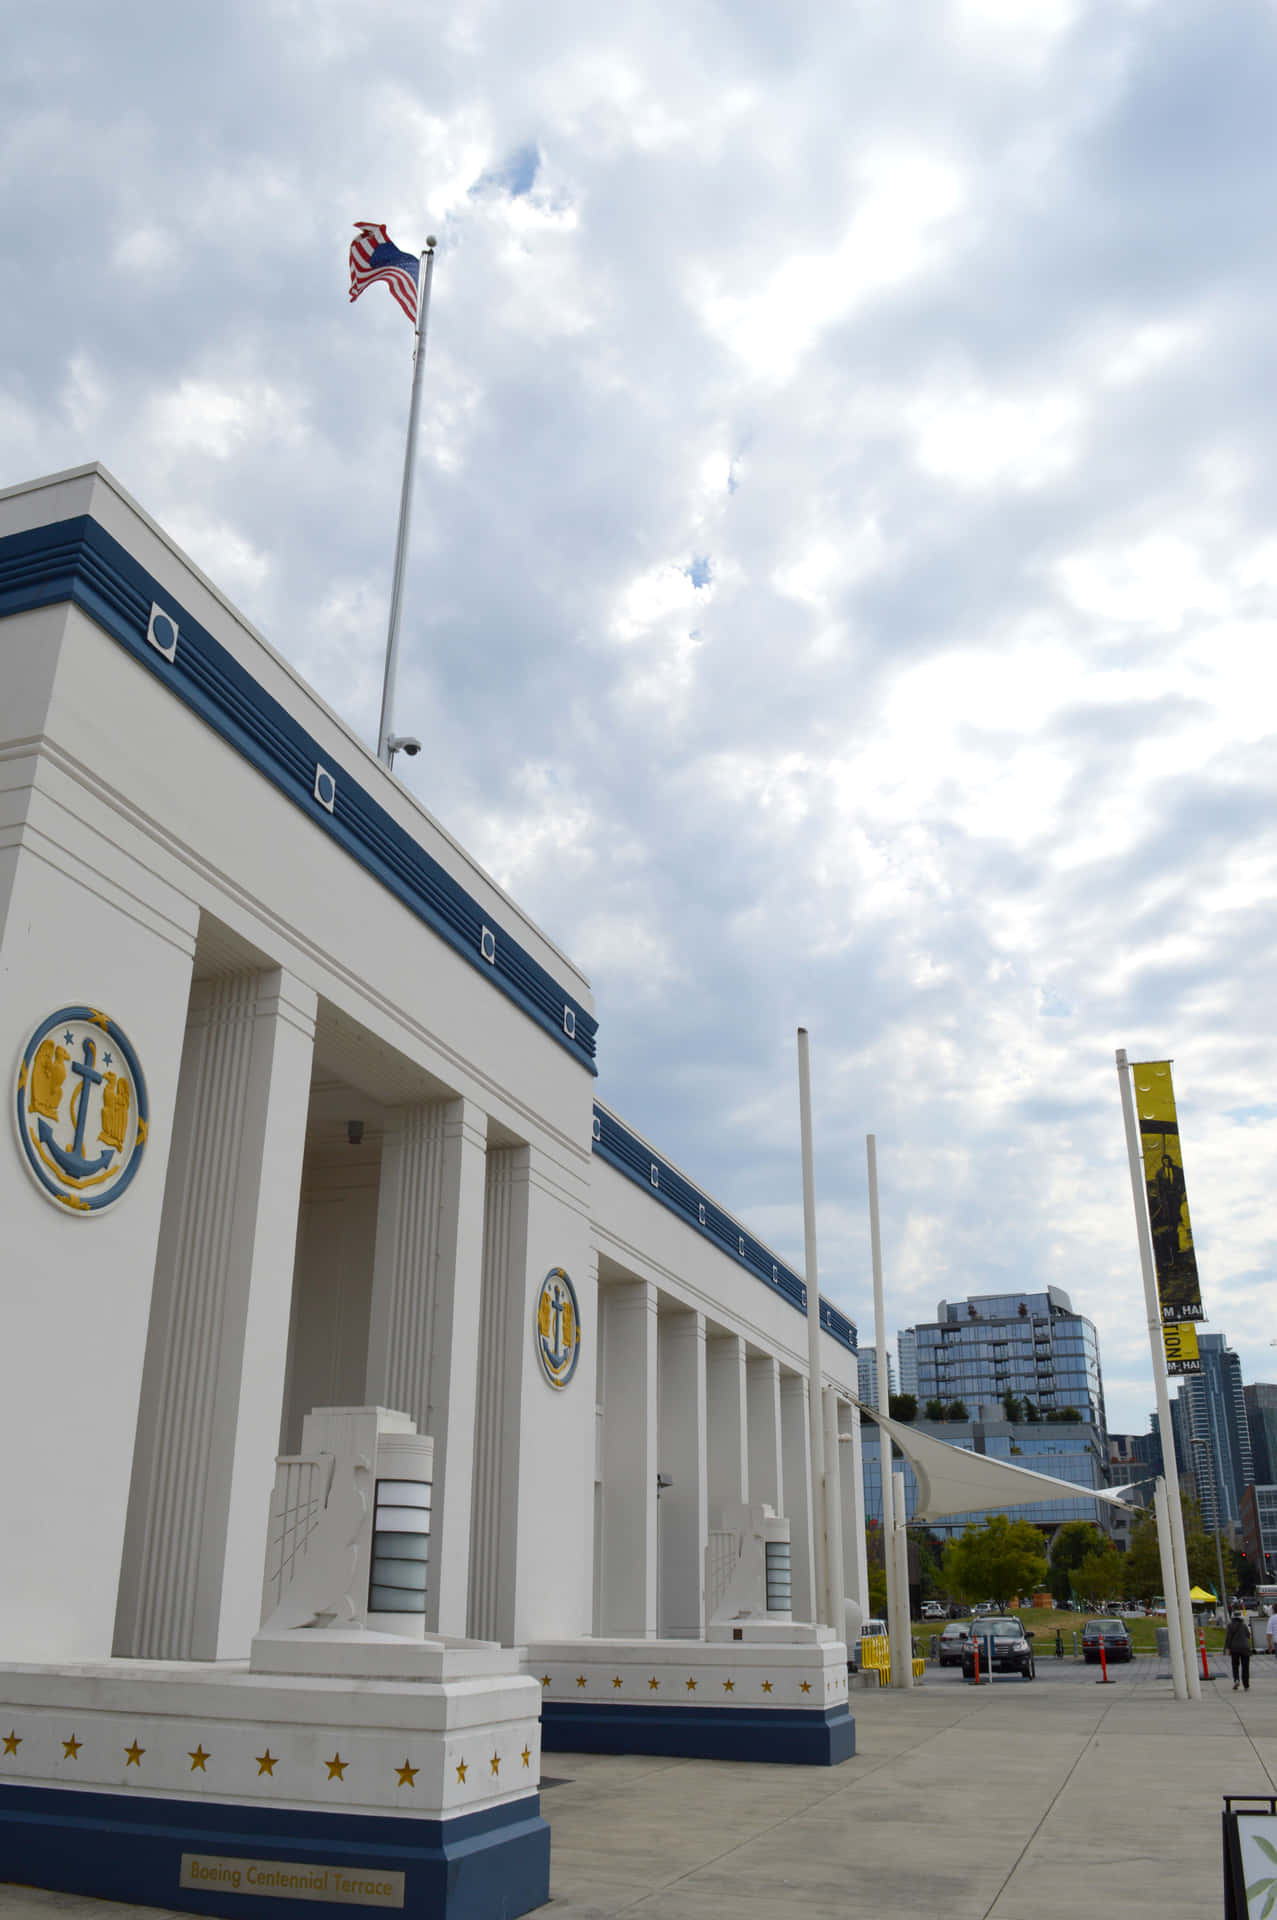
877, 1592
1031, 1413
902, 1406
1100, 1576
1143, 1566
1011, 1406
934, 1410
995, 1561
1074, 1541
956, 1410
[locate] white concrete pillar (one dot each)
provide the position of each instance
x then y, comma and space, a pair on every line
217, 1342
727, 1419
681, 1457
532, 1517
423, 1325
627, 1546
855, 1557
766, 1468
796, 1444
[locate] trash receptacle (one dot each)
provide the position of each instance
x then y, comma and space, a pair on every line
1163, 1643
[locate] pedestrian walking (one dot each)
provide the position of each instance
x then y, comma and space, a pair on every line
1271, 1631
1237, 1646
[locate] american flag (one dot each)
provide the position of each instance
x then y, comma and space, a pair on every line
374, 256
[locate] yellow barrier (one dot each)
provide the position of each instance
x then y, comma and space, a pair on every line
875, 1654
875, 1651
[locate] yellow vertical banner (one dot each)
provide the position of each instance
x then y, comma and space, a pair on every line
1174, 1261
1180, 1342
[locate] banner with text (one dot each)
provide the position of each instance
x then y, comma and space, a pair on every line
1174, 1261
1180, 1341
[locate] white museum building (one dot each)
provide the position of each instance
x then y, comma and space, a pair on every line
381, 1409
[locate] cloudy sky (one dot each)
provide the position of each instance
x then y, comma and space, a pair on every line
845, 556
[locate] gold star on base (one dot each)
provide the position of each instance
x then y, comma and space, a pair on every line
729, 1686
134, 1754
198, 1758
407, 1774
267, 1762
617, 1681
496, 1763
336, 1767
71, 1747
767, 1686
545, 1679
526, 1755
580, 1679
691, 1686
12, 1741
461, 1772
654, 1684
806, 1686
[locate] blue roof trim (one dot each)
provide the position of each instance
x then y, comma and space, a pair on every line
78, 560
634, 1158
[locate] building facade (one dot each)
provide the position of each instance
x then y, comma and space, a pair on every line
307, 1118
1031, 1346
867, 1368
1261, 1421
1212, 1432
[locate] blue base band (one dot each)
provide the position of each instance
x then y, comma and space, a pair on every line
129, 1848
780, 1735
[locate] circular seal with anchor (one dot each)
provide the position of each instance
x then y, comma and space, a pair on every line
558, 1327
81, 1109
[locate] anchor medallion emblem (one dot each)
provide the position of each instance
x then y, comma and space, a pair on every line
81, 1108
558, 1327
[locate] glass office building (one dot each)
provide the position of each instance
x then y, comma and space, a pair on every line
1032, 1345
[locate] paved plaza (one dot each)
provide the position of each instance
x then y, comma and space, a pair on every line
1016, 1801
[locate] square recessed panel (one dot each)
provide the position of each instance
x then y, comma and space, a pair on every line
488, 944
656, 1175
740, 1242
700, 1213
596, 1127
325, 788
569, 1023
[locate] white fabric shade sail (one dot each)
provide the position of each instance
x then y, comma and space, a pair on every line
952, 1480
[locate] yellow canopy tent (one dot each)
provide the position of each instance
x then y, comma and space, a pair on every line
1200, 1593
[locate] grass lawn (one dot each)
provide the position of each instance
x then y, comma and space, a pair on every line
1043, 1623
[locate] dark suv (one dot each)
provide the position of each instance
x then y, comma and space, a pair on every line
1004, 1638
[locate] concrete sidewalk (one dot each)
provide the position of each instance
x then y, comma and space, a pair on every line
1009, 1802
1014, 1801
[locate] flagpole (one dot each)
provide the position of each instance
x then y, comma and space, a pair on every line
897, 1586
815, 1370
385, 730
1181, 1620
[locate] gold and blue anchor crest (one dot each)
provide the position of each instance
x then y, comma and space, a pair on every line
81, 1109
558, 1332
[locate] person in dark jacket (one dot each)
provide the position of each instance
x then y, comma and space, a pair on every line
1237, 1645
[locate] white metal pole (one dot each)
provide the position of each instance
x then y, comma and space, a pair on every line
385, 728
900, 1550
833, 1518
1183, 1614
815, 1369
1167, 1551
894, 1627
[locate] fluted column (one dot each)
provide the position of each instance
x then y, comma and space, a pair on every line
855, 1557
727, 1419
628, 1397
766, 1473
796, 1443
681, 1456
423, 1332
494, 1512
217, 1342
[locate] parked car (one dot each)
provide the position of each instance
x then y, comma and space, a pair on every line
1004, 1639
1115, 1638
932, 1610
952, 1641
